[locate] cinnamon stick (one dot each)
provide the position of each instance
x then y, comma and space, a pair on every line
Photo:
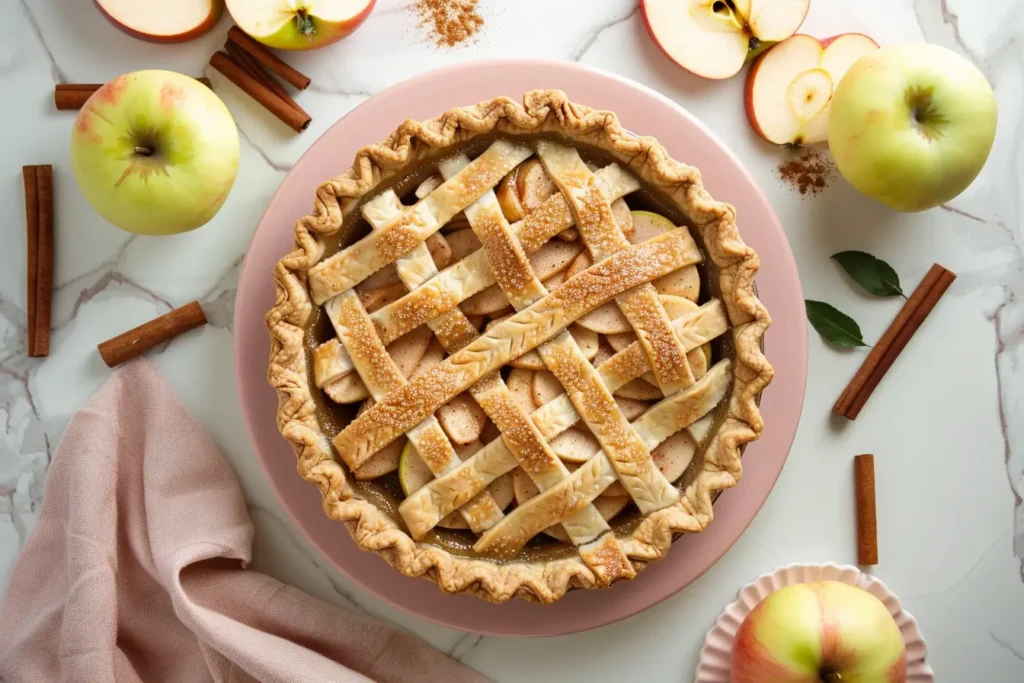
294, 117
137, 341
268, 58
867, 519
72, 96
38, 182
892, 343
256, 70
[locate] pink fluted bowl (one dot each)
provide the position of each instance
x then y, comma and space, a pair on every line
716, 655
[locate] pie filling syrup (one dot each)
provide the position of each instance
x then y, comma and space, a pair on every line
385, 492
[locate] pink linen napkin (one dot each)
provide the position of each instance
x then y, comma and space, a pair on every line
135, 569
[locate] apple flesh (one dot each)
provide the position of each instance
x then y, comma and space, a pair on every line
789, 88
169, 21
912, 125
825, 631
155, 152
299, 24
713, 38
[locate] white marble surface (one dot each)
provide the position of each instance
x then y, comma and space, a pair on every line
946, 427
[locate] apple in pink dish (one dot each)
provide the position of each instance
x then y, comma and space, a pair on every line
823, 632
713, 38
167, 21
789, 88
299, 24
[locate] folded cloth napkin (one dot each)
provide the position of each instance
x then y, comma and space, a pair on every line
135, 571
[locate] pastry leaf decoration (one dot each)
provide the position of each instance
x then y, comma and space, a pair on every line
873, 274
835, 326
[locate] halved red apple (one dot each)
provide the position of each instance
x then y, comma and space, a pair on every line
713, 38
299, 24
170, 21
789, 87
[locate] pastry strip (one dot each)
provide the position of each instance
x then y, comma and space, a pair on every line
355, 263
636, 470
553, 418
594, 476
518, 431
600, 233
610, 564
465, 278
513, 337
382, 377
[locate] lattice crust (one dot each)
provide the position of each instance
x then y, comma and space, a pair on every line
358, 364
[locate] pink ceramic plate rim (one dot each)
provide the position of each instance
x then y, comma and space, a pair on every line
642, 110
715, 656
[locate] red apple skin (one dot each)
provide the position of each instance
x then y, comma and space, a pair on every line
800, 629
748, 93
825, 42
211, 21
654, 37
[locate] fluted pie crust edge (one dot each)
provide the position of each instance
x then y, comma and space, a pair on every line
542, 111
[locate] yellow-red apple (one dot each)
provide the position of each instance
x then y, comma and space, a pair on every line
819, 632
155, 152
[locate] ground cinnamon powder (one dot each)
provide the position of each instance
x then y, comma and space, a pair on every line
809, 173
450, 22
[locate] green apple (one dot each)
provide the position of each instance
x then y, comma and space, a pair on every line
299, 24
825, 631
155, 152
912, 125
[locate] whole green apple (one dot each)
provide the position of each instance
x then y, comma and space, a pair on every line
912, 125
155, 152
826, 631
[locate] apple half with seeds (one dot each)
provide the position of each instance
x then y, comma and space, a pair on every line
713, 38
789, 87
299, 24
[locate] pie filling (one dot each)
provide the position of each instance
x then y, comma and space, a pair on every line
568, 430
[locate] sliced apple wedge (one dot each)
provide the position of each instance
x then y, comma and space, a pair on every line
299, 24
789, 87
170, 21
713, 38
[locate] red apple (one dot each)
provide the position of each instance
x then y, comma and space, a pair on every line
713, 38
819, 632
299, 24
789, 87
168, 21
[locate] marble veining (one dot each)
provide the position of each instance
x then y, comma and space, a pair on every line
947, 425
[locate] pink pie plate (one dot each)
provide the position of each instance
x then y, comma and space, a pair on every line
641, 110
715, 656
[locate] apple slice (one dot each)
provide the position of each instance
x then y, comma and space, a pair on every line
298, 24
713, 38
174, 22
789, 88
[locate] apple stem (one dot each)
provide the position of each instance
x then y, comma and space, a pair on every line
304, 23
832, 677
143, 151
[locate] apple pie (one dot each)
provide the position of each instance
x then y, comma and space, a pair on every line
518, 349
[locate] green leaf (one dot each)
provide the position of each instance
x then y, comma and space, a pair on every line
834, 325
873, 274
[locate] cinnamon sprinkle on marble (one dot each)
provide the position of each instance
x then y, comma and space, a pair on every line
810, 173
449, 22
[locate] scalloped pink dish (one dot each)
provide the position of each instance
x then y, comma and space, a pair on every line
715, 656
642, 110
